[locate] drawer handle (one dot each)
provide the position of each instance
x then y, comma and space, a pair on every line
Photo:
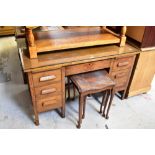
48, 103
46, 78
121, 64
120, 75
48, 91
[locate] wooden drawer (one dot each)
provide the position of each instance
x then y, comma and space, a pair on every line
86, 67
46, 78
48, 91
49, 103
121, 78
123, 63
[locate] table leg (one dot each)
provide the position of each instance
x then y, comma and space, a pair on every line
110, 102
68, 88
81, 102
74, 91
106, 102
103, 100
84, 107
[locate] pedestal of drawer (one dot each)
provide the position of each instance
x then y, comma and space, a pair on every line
47, 90
49, 103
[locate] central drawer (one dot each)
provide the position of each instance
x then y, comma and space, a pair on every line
48, 91
86, 67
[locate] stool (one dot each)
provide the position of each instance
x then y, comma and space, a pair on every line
91, 83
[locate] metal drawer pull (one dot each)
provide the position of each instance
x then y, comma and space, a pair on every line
46, 78
122, 64
48, 91
48, 103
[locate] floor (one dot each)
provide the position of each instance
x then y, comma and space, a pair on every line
16, 109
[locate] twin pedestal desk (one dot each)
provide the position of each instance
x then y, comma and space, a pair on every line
46, 74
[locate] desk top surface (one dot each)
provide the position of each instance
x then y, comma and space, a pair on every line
62, 58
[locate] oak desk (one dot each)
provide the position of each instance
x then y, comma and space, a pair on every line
46, 74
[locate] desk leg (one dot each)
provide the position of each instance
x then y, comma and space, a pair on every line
36, 120
123, 95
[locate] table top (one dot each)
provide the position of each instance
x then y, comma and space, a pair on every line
57, 59
72, 38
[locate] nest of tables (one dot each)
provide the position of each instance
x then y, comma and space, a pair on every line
60, 39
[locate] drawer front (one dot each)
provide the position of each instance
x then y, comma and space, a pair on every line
86, 67
123, 63
48, 91
121, 78
46, 78
49, 103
